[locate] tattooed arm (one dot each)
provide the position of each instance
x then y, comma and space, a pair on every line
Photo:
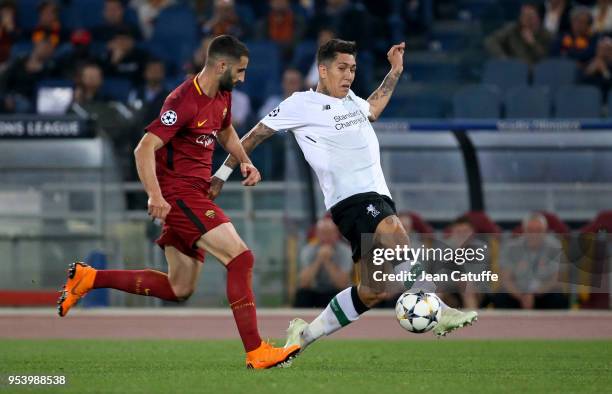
256, 136
380, 97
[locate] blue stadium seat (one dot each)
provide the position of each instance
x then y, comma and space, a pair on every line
477, 102
117, 88
263, 74
505, 74
416, 106
577, 101
553, 73
21, 48
174, 36
27, 13
55, 82
433, 71
304, 55
527, 102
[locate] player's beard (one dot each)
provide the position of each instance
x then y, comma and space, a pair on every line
226, 83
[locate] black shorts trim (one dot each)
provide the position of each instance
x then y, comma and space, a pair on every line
360, 214
191, 216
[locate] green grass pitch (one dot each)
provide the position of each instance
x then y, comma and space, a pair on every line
330, 366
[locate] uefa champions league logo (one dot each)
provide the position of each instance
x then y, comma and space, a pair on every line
169, 118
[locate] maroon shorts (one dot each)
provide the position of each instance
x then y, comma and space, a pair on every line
191, 216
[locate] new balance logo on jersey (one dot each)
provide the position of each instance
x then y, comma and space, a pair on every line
371, 210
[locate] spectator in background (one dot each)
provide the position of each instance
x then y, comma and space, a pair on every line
292, 82
325, 267
9, 32
599, 70
26, 72
241, 109
580, 43
224, 20
524, 39
282, 26
530, 269
312, 78
147, 99
123, 59
49, 27
602, 17
78, 55
147, 11
114, 20
197, 61
88, 85
556, 16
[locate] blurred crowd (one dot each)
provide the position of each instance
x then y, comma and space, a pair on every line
531, 261
577, 30
116, 60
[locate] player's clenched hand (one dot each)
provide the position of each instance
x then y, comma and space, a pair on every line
250, 173
216, 184
396, 56
158, 208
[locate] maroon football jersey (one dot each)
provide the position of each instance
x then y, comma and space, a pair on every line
188, 124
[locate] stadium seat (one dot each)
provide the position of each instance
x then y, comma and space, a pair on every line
554, 73
527, 102
117, 88
575, 101
263, 74
304, 55
90, 13
456, 35
602, 222
27, 13
174, 36
417, 106
477, 101
505, 74
433, 70
21, 48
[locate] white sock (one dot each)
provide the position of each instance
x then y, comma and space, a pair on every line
419, 284
340, 312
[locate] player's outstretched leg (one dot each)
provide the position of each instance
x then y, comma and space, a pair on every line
82, 278
224, 243
343, 309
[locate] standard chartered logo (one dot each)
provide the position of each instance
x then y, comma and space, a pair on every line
348, 120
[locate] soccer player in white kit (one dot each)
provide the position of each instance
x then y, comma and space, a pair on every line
332, 127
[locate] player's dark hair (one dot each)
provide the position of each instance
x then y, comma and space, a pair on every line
228, 46
328, 51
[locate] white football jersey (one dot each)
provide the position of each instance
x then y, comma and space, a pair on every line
337, 140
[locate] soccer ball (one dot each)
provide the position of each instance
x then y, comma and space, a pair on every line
418, 312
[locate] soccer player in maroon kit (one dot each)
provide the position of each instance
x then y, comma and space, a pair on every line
174, 160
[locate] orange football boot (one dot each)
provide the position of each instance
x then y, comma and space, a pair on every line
80, 280
268, 356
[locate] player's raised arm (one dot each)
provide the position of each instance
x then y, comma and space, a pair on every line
228, 138
256, 136
380, 97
